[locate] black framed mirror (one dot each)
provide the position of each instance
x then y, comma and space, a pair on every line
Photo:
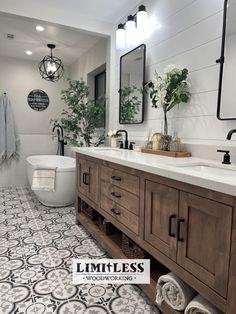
226, 106
132, 79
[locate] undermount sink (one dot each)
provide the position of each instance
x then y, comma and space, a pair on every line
107, 150
218, 170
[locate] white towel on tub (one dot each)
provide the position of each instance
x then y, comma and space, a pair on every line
176, 293
200, 306
44, 180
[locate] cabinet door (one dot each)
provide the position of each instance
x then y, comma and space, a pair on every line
204, 240
92, 181
161, 210
81, 173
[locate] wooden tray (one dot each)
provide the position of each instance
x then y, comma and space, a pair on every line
167, 153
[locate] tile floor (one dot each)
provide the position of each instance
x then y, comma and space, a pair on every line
37, 244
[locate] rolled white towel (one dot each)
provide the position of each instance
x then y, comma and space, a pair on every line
200, 306
176, 293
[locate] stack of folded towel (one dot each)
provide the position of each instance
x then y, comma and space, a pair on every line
180, 296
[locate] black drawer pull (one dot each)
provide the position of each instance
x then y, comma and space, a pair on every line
115, 211
179, 230
117, 195
170, 233
116, 178
85, 178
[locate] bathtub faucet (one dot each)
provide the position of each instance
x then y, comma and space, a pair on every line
60, 139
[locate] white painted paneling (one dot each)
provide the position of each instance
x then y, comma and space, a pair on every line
190, 37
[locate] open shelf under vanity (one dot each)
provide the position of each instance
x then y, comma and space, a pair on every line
112, 244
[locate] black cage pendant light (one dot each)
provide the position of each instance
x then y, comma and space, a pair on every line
51, 67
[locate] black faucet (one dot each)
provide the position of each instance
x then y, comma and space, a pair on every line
126, 142
231, 132
60, 139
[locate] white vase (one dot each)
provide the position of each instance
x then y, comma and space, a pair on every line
113, 142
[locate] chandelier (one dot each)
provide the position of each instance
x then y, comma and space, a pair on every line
51, 67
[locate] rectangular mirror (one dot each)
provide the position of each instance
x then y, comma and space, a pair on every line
226, 109
132, 79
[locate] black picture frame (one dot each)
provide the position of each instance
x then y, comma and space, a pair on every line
221, 61
143, 83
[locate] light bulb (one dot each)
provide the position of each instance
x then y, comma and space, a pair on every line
120, 37
51, 68
142, 17
130, 30
39, 28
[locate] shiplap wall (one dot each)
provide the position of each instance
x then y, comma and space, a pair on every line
190, 37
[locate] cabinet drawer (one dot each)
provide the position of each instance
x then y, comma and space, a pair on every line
121, 179
121, 197
120, 213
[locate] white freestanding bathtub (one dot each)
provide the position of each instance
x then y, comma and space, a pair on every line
64, 193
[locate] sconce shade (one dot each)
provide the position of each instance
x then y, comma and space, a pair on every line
134, 30
51, 67
120, 37
130, 28
142, 17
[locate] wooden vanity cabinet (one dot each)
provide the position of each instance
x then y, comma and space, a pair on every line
161, 211
189, 229
204, 242
88, 179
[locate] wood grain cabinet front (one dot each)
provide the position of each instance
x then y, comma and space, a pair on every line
161, 211
88, 179
205, 240
193, 231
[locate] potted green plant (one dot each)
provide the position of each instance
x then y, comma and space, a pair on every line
82, 118
167, 91
112, 134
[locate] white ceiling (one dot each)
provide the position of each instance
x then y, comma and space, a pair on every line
70, 43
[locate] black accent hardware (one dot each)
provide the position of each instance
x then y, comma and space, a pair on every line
131, 146
60, 139
126, 143
178, 230
220, 60
116, 178
85, 178
226, 159
117, 195
115, 211
170, 233
229, 135
121, 144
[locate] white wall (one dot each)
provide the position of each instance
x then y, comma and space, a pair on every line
190, 37
94, 58
18, 78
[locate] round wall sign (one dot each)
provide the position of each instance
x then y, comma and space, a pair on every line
38, 100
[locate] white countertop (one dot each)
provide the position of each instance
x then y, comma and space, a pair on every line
168, 167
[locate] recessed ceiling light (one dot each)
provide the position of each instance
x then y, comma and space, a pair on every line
39, 28
28, 52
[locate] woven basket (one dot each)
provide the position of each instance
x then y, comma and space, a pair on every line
89, 211
131, 249
105, 226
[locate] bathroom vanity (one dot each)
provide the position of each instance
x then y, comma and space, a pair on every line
186, 220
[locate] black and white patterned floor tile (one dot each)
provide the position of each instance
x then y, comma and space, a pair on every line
37, 244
